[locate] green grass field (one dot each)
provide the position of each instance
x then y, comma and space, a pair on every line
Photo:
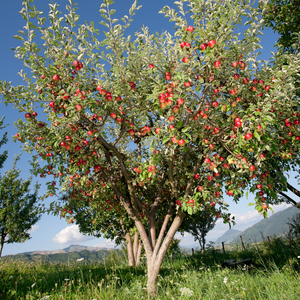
183, 277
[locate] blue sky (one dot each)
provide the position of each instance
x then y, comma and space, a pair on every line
51, 233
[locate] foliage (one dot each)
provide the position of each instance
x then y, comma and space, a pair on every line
294, 226
199, 225
152, 129
18, 210
283, 16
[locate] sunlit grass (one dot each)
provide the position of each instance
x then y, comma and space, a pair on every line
183, 277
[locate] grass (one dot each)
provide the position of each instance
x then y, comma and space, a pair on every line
183, 277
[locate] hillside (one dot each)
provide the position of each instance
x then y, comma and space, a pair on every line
228, 236
275, 225
68, 255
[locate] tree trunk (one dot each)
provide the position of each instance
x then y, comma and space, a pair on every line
3, 236
130, 253
135, 246
139, 252
154, 262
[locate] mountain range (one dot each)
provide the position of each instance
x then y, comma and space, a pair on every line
274, 226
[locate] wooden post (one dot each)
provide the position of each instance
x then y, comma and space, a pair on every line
223, 247
193, 251
242, 242
269, 239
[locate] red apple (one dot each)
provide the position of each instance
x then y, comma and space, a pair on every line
248, 136
203, 46
217, 64
78, 107
211, 44
55, 77
181, 142
190, 28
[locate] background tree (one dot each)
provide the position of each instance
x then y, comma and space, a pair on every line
199, 225
283, 16
164, 123
18, 210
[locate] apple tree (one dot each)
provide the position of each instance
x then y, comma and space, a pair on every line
163, 123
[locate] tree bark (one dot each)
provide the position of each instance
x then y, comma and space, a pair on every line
130, 253
3, 236
292, 189
154, 262
139, 252
290, 199
135, 246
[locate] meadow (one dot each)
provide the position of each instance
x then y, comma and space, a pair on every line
185, 276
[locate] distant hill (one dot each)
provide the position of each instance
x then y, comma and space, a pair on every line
275, 225
228, 236
68, 255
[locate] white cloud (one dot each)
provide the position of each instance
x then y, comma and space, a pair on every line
33, 229
70, 235
106, 244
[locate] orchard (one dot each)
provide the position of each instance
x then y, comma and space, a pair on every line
143, 132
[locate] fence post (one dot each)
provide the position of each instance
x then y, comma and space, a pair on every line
242, 242
223, 247
193, 251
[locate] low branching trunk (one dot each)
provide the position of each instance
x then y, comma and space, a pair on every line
130, 253
155, 255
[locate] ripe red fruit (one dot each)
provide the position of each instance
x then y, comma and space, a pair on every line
211, 44
265, 206
151, 66
200, 188
181, 142
252, 168
180, 101
217, 64
157, 130
78, 107
185, 59
175, 109
203, 46
75, 63
214, 104
28, 115
196, 176
230, 193
55, 77
187, 84
246, 80
259, 186
248, 136
113, 115
190, 28
191, 202
236, 76
171, 118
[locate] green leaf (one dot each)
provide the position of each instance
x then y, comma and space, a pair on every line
257, 136
18, 37
186, 129
165, 140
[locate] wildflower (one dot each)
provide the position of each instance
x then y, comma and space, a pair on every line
225, 280
186, 292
